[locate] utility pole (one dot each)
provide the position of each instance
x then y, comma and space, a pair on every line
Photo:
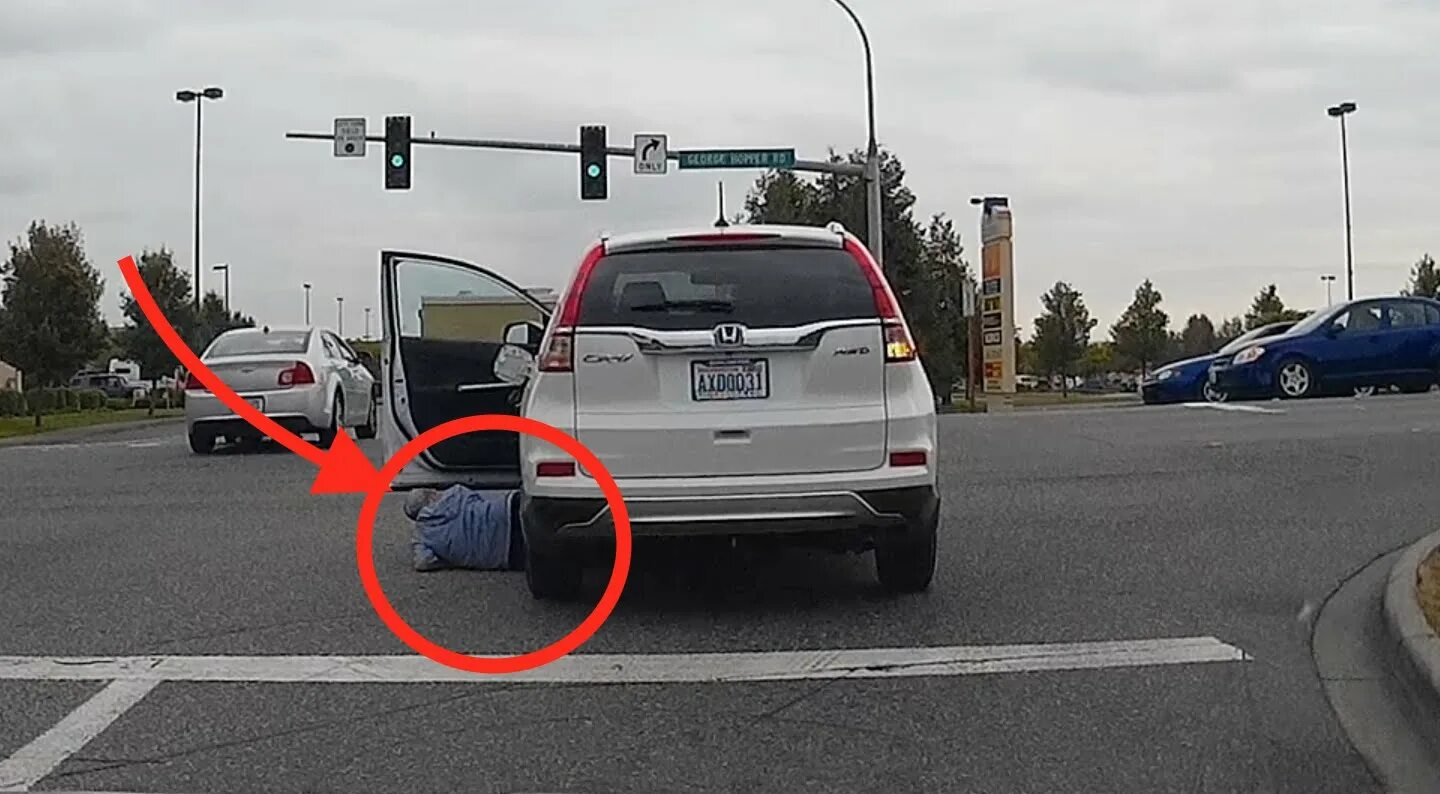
1340, 111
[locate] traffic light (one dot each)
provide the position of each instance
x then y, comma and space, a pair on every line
397, 152
594, 180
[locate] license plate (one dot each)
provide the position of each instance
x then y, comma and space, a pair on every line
258, 403
739, 379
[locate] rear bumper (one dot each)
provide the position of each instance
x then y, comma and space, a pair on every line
553, 524
304, 409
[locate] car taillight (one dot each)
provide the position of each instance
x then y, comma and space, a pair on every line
298, 375
908, 458
899, 345
559, 352
193, 383
555, 468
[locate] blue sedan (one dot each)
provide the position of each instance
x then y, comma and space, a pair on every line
1188, 380
1362, 344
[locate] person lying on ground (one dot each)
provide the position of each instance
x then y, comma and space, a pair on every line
464, 528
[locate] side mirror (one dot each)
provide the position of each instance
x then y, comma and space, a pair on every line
524, 335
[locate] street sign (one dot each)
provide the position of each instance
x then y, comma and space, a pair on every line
652, 154
737, 158
350, 137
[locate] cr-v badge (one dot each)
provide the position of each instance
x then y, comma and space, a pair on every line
601, 358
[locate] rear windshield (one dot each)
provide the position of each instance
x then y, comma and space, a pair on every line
250, 343
695, 289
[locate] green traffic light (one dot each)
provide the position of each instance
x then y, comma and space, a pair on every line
397, 160
593, 170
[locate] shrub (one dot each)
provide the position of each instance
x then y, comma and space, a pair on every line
118, 403
12, 403
92, 400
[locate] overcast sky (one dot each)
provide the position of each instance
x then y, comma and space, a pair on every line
1177, 140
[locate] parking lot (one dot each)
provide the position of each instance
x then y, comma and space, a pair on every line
1120, 606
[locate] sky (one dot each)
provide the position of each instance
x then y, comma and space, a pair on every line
1174, 140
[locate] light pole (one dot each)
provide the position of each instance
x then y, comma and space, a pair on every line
340, 313
198, 97
1340, 111
226, 269
307, 303
367, 323
1328, 279
872, 149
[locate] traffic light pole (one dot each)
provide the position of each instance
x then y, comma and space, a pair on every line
812, 166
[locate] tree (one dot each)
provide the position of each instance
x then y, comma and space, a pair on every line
170, 287
1062, 333
1198, 338
1424, 279
1141, 334
923, 264
50, 322
1099, 359
213, 320
1269, 308
1230, 330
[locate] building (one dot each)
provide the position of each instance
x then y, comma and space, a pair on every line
479, 317
11, 378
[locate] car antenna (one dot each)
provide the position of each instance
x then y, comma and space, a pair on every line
720, 221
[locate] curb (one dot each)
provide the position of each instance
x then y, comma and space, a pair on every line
1418, 646
71, 434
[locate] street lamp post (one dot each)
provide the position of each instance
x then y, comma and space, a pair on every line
1328, 279
307, 303
367, 323
1340, 111
340, 313
226, 269
198, 97
872, 149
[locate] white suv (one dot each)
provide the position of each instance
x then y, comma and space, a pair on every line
746, 380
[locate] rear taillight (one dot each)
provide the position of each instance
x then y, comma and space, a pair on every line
559, 352
193, 383
298, 375
908, 458
899, 345
555, 468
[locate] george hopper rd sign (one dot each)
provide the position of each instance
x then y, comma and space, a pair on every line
737, 158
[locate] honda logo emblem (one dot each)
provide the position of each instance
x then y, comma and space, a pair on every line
729, 335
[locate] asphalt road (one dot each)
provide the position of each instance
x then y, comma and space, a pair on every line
1059, 527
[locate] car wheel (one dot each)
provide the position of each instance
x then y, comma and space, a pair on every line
905, 563
328, 435
202, 443
1295, 379
367, 430
553, 577
1212, 394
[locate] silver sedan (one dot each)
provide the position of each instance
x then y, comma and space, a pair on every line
306, 379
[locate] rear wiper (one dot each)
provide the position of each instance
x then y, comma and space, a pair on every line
697, 305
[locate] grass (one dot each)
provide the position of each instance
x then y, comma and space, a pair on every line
1430, 589
16, 426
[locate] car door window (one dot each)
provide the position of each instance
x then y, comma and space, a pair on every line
1432, 314
1365, 318
1406, 315
331, 351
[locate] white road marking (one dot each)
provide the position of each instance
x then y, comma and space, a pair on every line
40, 757
142, 443
1249, 409
639, 668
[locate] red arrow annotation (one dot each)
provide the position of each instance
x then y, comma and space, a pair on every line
343, 468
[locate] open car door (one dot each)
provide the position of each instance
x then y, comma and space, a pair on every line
445, 322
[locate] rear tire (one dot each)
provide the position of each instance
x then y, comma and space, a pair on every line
328, 435
553, 577
905, 563
368, 429
201, 442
